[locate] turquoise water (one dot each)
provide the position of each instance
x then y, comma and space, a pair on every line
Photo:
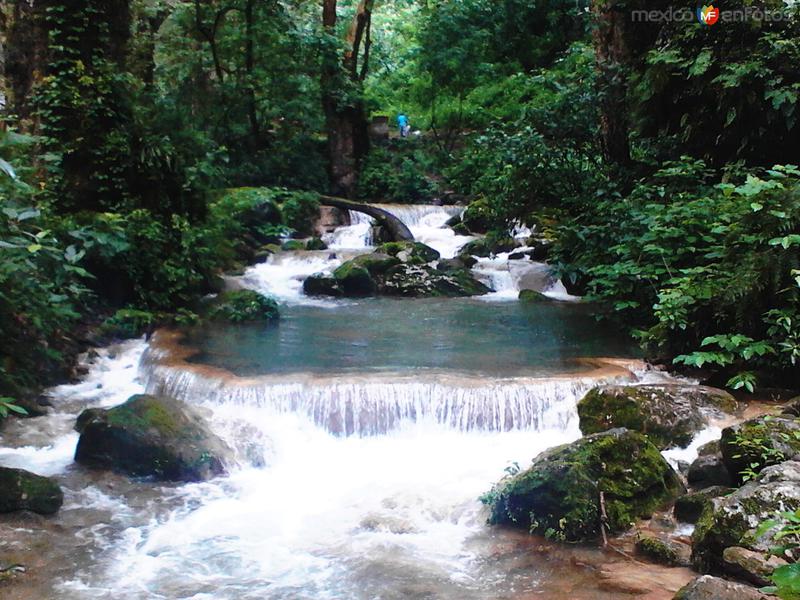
374, 335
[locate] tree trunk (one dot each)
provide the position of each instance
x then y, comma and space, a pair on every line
25, 55
346, 123
397, 230
610, 37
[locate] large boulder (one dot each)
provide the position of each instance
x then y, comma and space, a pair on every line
560, 494
422, 281
244, 306
355, 280
376, 263
477, 218
151, 436
707, 471
21, 490
322, 285
707, 587
733, 520
670, 415
752, 445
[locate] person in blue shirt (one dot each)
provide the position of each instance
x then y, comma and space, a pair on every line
403, 125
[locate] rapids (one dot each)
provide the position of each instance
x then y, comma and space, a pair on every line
364, 432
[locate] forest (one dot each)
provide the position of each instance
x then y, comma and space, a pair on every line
151, 151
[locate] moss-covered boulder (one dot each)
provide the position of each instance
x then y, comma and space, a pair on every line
485, 247
560, 493
533, 297
661, 551
421, 281
733, 520
322, 285
376, 263
415, 253
355, 280
689, 507
316, 244
22, 490
151, 436
757, 443
477, 218
242, 306
670, 415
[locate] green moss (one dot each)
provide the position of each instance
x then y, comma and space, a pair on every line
532, 296
129, 323
244, 305
657, 551
751, 446
21, 490
415, 253
293, 245
316, 244
355, 280
561, 491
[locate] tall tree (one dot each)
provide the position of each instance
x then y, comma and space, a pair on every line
341, 80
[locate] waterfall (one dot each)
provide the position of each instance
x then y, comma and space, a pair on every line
375, 405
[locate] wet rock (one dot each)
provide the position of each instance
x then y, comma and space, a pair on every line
418, 281
531, 297
485, 247
763, 441
415, 253
321, 285
456, 264
689, 507
377, 522
662, 551
733, 520
753, 567
708, 471
355, 280
709, 448
151, 436
22, 490
670, 415
560, 493
707, 587
792, 408
316, 244
376, 263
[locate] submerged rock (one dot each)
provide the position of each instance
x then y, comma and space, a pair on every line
22, 490
670, 415
151, 436
733, 520
707, 587
759, 442
559, 495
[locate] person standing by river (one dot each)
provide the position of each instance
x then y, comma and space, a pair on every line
403, 125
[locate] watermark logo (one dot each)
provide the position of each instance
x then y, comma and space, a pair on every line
708, 15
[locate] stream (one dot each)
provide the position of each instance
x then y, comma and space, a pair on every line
364, 430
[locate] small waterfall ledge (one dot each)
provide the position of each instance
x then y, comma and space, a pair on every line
367, 405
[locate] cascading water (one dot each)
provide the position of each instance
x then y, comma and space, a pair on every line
364, 434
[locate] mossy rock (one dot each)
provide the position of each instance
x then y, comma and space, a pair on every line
689, 507
22, 490
670, 415
706, 587
415, 253
662, 552
293, 245
265, 251
376, 263
322, 285
477, 218
316, 243
485, 247
150, 436
559, 495
129, 323
533, 297
759, 442
419, 281
355, 280
733, 520
242, 306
